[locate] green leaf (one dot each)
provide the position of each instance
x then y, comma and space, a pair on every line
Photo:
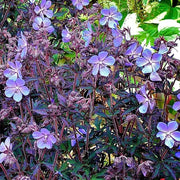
169, 31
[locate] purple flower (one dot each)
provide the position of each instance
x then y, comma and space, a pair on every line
111, 16
42, 24
80, 3
176, 105
43, 9
5, 148
150, 63
78, 135
163, 49
145, 100
22, 46
100, 62
66, 36
118, 37
168, 133
44, 139
16, 89
87, 35
133, 50
178, 153
14, 71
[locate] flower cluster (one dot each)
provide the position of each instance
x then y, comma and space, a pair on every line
42, 23
80, 3
15, 84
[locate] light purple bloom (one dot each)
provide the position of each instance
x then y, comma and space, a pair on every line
168, 133
5, 148
176, 105
42, 24
87, 35
134, 50
43, 9
163, 49
80, 3
178, 153
44, 138
118, 37
150, 63
16, 89
111, 16
22, 47
145, 101
14, 71
100, 62
66, 35
78, 135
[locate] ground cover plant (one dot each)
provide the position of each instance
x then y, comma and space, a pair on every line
83, 98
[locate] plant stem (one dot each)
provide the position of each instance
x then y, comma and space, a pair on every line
5, 172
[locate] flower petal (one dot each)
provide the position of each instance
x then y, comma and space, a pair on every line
176, 135
169, 142
2, 157
85, 2
156, 57
48, 145
10, 91
163, 49
35, 26
117, 16
113, 10
105, 12
37, 9
155, 66
17, 96
109, 60
48, 4
176, 106
102, 55
7, 142
147, 69
103, 21
117, 42
37, 135
20, 82
143, 108
131, 49
52, 138
161, 135
140, 98
147, 54
79, 6
154, 76
24, 90
162, 127
112, 23
73, 142
172, 126
10, 83
141, 61
178, 96
2, 147
8, 72
104, 71
93, 60
41, 144
50, 29
48, 13
95, 69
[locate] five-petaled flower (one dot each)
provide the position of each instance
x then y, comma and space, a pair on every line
100, 62
133, 50
45, 139
66, 35
111, 16
5, 149
145, 100
178, 153
150, 63
118, 37
14, 71
79, 136
176, 105
22, 47
43, 9
16, 89
80, 3
42, 24
87, 35
168, 133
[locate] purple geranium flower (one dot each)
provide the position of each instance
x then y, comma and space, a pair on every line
80, 3
16, 89
145, 100
118, 37
100, 62
87, 35
111, 16
150, 63
5, 148
168, 133
43, 9
78, 135
134, 50
178, 153
14, 71
163, 49
42, 24
66, 36
176, 105
22, 47
44, 139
